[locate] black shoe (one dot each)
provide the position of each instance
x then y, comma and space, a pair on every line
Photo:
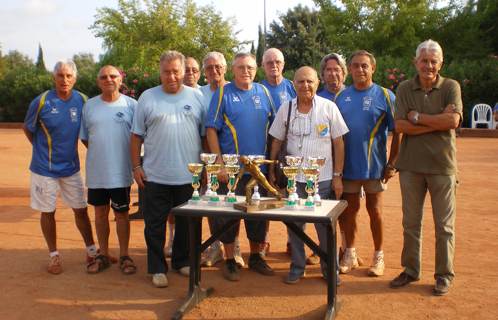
403, 280
442, 286
260, 265
231, 271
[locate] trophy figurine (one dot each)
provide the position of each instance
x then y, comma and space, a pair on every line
310, 173
231, 168
256, 197
208, 158
195, 168
291, 173
213, 170
294, 161
316, 162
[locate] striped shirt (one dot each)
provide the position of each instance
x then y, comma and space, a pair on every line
311, 134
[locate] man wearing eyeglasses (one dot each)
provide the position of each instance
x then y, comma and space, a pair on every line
316, 128
171, 119
368, 110
105, 130
238, 117
192, 73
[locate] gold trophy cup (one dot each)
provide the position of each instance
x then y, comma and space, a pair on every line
213, 170
290, 173
231, 168
310, 173
316, 162
294, 161
208, 158
195, 168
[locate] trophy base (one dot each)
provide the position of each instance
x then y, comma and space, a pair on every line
309, 208
228, 204
215, 203
318, 203
290, 207
195, 202
232, 200
206, 197
263, 205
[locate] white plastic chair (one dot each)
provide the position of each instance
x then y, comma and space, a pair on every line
481, 114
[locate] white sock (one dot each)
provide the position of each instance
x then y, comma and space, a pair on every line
343, 241
53, 254
350, 250
378, 254
236, 242
171, 228
288, 238
92, 249
266, 237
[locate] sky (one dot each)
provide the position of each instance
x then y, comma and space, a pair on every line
61, 27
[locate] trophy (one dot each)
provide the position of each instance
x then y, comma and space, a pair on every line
213, 170
310, 173
294, 161
316, 162
231, 168
208, 158
195, 168
291, 173
256, 197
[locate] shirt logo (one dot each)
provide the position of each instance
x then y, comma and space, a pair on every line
348, 99
187, 110
257, 102
74, 114
235, 99
119, 117
283, 96
322, 128
367, 102
54, 110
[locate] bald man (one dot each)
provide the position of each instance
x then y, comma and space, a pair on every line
105, 130
325, 135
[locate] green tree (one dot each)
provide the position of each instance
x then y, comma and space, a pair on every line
261, 49
16, 60
382, 27
302, 37
138, 32
489, 21
84, 61
40, 64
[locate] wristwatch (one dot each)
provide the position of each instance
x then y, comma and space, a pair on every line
415, 118
336, 174
390, 166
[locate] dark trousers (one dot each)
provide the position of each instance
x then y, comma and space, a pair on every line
159, 199
255, 229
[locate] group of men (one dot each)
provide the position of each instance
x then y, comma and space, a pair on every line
175, 122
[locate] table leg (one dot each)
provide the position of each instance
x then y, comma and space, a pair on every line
196, 294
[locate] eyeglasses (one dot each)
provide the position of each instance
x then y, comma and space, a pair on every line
171, 72
244, 68
193, 70
213, 67
111, 76
271, 63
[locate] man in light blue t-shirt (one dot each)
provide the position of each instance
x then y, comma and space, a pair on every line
239, 116
171, 119
368, 110
105, 130
51, 126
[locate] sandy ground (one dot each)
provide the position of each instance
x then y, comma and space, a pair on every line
28, 291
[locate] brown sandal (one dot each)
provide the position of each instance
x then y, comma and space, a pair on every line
103, 264
123, 266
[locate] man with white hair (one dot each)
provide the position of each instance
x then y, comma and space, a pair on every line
171, 117
52, 125
427, 110
281, 91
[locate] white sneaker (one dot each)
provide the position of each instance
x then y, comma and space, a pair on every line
169, 249
238, 257
348, 263
185, 271
214, 256
159, 280
377, 268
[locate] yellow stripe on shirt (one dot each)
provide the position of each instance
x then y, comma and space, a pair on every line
372, 135
234, 133
49, 142
40, 106
219, 104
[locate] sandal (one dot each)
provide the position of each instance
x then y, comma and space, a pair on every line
103, 264
124, 266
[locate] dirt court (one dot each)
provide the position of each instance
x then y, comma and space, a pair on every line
28, 291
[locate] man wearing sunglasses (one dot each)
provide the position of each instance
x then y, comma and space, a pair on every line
105, 130
192, 73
